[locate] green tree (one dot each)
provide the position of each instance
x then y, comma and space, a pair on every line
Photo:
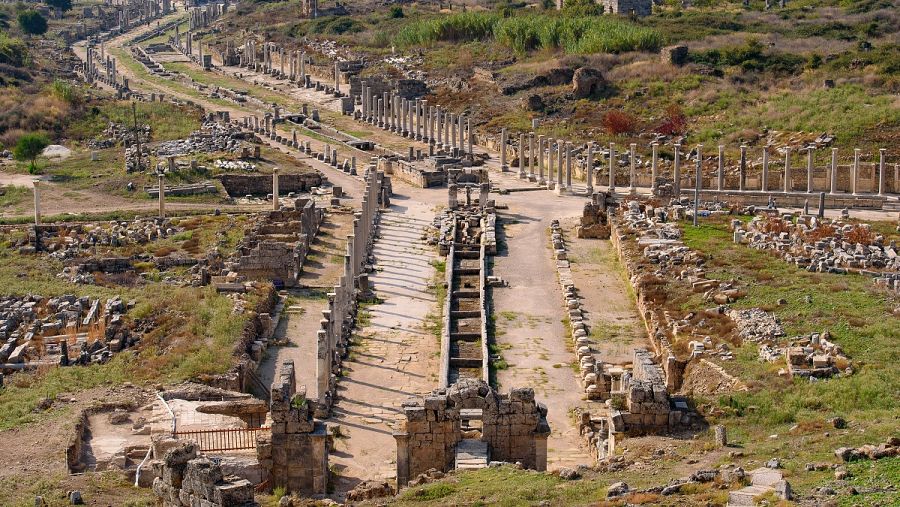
32, 22
29, 147
62, 5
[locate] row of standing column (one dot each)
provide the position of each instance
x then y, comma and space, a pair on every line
562, 150
416, 119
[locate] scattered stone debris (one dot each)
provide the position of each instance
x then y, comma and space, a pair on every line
211, 138
184, 480
756, 325
823, 245
888, 449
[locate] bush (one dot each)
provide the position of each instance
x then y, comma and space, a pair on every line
619, 122
12, 51
749, 57
572, 34
397, 12
31, 22
675, 121
29, 147
65, 91
582, 8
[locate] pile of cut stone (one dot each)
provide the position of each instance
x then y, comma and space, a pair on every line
814, 356
756, 325
73, 241
34, 328
184, 479
211, 138
117, 133
825, 246
886, 450
234, 165
590, 367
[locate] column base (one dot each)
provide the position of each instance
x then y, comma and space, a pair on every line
559, 190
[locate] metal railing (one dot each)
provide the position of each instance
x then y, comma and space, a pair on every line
228, 439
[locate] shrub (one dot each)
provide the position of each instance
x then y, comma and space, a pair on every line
582, 8
65, 91
12, 51
29, 147
675, 121
31, 22
861, 235
618, 122
396, 12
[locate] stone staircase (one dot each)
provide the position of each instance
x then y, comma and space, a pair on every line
471, 454
762, 482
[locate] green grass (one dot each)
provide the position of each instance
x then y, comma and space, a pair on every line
858, 315
15, 198
167, 121
571, 34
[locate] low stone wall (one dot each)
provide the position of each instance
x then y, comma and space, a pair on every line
240, 185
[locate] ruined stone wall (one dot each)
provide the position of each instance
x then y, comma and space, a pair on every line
296, 451
185, 480
514, 427
240, 185
636, 7
411, 173
275, 248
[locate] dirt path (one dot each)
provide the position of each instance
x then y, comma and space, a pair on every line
394, 356
300, 321
610, 312
529, 315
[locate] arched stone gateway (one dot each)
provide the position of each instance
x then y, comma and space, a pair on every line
469, 424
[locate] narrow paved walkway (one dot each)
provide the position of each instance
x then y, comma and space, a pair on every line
394, 356
529, 317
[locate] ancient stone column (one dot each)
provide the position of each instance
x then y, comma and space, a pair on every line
677, 172
881, 152
654, 167
787, 169
531, 155
337, 78
855, 174
721, 438
833, 185
503, 142
470, 136
698, 183
37, 202
742, 168
453, 137
632, 188
765, 169
589, 172
440, 130
809, 169
162, 194
568, 166
612, 168
522, 174
540, 159
720, 174
276, 203
462, 142
559, 165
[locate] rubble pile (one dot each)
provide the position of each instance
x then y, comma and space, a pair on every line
211, 138
234, 165
116, 134
824, 246
64, 330
73, 241
183, 479
814, 356
756, 325
888, 449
